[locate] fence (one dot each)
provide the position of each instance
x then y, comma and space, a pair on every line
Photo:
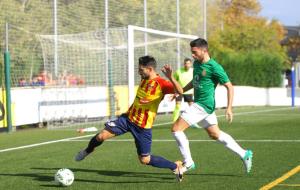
82, 43
33, 22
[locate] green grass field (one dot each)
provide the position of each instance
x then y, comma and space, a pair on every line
273, 133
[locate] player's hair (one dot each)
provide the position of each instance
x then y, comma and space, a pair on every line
200, 42
147, 61
186, 60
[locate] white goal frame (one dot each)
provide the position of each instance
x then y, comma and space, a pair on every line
131, 45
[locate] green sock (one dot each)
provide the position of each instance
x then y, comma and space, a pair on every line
176, 112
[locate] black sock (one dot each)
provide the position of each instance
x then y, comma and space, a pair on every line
160, 162
93, 144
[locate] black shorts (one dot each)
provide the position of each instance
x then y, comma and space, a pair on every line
186, 98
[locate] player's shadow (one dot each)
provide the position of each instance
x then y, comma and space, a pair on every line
216, 175
150, 176
115, 173
36, 176
157, 177
49, 178
47, 175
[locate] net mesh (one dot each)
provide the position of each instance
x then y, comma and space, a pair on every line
89, 78
162, 48
98, 59
30, 19
82, 57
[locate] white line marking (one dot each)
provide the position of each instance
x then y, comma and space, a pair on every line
242, 113
195, 140
72, 138
44, 143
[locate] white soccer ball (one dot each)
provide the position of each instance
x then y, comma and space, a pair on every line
64, 177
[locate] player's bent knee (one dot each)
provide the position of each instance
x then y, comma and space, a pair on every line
213, 132
179, 125
144, 159
175, 127
104, 135
99, 137
213, 136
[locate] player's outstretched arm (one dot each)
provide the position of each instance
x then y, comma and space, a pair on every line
168, 72
188, 86
230, 92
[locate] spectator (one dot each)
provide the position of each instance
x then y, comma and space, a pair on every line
37, 81
22, 82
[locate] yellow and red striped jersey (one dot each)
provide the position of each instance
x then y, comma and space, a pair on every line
149, 94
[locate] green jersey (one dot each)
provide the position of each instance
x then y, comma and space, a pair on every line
184, 77
206, 77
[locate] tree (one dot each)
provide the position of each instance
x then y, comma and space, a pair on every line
242, 35
244, 30
293, 47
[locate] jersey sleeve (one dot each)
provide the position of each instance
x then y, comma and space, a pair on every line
220, 74
166, 86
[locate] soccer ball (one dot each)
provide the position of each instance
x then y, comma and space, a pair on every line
64, 177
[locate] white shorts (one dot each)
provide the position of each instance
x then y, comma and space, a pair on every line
194, 114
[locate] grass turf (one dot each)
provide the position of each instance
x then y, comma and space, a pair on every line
115, 165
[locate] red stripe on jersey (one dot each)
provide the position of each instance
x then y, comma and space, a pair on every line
148, 85
154, 88
143, 83
138, 118
132, 114
145, 119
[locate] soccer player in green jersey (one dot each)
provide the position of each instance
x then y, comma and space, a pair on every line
206, 76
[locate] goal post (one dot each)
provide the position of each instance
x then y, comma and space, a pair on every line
164, 36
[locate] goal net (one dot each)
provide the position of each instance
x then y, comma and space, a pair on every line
166, 47
92, 75
83, 70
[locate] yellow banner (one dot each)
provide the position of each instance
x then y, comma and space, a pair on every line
2, 109
121, 97
3, 121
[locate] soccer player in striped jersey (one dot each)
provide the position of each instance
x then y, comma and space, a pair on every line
206, 76
139, 119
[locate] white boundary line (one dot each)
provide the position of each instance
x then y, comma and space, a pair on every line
195, 140
44, 143
73, 138
242, 113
